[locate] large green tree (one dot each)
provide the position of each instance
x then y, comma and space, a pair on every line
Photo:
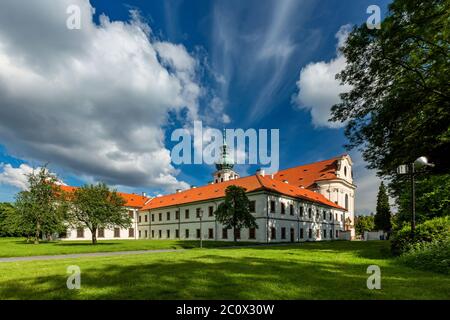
96, 206
40, 210
234, 211
364, 223
399, 104
382, 217
6, 210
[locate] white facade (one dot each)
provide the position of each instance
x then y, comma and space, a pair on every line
108, 234
273, 226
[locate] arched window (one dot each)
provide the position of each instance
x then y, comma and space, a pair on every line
346, 201
345, 171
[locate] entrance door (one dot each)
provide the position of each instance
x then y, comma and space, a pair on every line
292, 235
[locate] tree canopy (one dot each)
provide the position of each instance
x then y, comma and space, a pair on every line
40, 210
364, 223
399, 106
96, 206
234, 211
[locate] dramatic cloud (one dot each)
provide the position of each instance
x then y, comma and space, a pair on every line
318, 88
17, 177
92, 101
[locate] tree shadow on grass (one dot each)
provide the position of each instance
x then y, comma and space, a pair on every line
214, 277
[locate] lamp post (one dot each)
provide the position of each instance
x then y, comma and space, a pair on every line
403, 169
201, 231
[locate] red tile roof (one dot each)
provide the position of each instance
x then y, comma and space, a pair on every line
306, 175
132, 200
251, 183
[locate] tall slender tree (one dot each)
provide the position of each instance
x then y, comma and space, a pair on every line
383, 215
40, 210
234, 212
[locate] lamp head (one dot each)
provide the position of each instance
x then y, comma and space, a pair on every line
423, 161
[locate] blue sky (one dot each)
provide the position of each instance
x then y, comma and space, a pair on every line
238, 66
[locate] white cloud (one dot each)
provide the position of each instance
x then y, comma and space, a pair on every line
318, 88
92, 101
17, 177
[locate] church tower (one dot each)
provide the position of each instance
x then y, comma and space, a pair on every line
224, 165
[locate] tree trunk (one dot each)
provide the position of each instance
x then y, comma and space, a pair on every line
36, 236
94, 236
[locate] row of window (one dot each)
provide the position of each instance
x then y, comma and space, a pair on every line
225, 233
325, 215
273, 233
101, 233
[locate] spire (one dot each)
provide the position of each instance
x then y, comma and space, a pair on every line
224, 161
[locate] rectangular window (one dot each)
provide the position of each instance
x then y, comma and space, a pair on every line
160, 216
160, 233
146, 218
272, 206
177, 215
130, 214
131, 233
324, 233
116, 233
331, 216
101, 233
324, 215
291, 209
310, 213
252, 233
153, 217
186, 233
310, 233
177, 233
224, 233
198, 212
186, 214
210, 233
301, 211
198, 233
283, 208
301, 233
237, 233
337, 233
210, 211
168, 234
273, 233
140, 234
168, 216
331, 234
283, 233
139, 218
252, 206
80, 233
146, 234
153, 234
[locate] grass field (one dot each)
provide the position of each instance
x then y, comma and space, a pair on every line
326, 270
18, 247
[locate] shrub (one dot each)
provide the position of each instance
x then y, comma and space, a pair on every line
430, 256
437, 229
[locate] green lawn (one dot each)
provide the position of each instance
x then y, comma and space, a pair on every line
18, 247
326, 270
